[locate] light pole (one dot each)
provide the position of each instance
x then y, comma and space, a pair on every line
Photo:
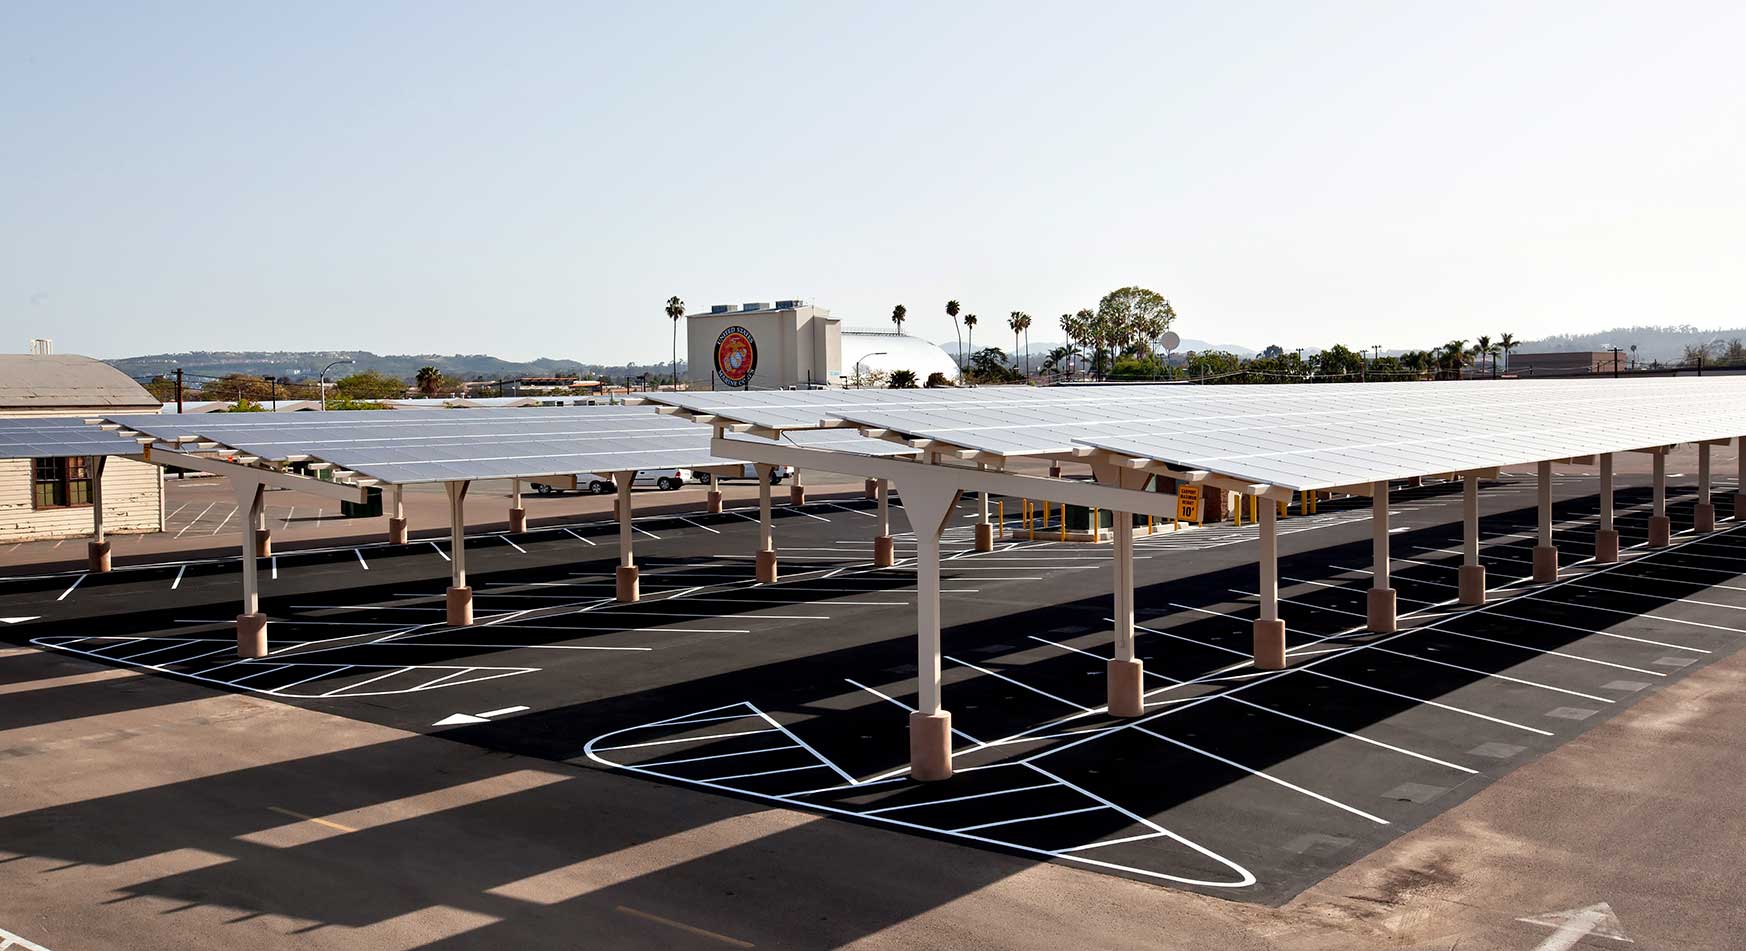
876, 353
324, 381
273, 401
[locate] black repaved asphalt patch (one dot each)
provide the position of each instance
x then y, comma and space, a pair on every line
1251, 785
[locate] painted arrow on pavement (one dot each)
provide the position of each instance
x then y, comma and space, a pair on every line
17, 620
456, 719
1574, 924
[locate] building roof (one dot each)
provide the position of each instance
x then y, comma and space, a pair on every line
66, 381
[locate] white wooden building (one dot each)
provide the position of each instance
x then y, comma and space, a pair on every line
51, 498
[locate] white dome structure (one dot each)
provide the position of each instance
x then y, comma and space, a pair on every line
883, 351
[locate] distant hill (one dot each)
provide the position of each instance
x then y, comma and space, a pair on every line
296, 364
1666, 344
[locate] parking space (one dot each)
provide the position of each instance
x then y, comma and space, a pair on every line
1249, 784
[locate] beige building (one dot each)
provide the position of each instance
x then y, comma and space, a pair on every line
51, 498
763, 347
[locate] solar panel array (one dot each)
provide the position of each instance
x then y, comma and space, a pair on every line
1298, 437
48, 437
417, 446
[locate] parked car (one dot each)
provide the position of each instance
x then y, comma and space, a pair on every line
663, 479
749, 472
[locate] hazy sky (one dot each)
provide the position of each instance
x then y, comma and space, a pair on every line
529, 179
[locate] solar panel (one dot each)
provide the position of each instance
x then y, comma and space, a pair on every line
1310, 436
403, 447
48, 437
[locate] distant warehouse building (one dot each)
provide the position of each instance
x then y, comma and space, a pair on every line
51, 498
794, 344
1564, 363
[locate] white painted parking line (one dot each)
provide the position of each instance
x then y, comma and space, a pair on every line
1492, 610
1347, 588
178, 582
1487, 673
855, 511
10, 941
685, 739
361, 561
1545, 652
275, 567
76, 583
1641, 614
767, 772
511, 544
439, 550
288, 515
197, 518
226, 520
1263, 775
941, 802
362, 683
699, 525
582, 539
805, 513
1008, 822
636, 527
1020, 683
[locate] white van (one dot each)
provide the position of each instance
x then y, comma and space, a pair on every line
664, 479
749, 472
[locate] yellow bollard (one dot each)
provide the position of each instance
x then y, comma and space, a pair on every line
1000, 511
1148, 524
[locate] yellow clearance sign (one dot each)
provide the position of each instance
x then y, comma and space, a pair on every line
1188, 503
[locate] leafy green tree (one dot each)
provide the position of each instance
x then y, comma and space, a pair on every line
1339, 362
675, 310
1133, 315
988, 365
1272, 351
902, 380
235, 386
369, 385
936, 380
1213, 366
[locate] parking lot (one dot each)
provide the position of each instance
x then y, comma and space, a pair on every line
1250, 785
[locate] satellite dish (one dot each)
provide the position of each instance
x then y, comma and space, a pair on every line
1170, 340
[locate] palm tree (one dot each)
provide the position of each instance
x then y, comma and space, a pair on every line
1070, 327
1506, 343
429, 380
675, 310
1013, 322
952, 312
970, 331
1024, 324
1633, 356
1095, 335
902, 380
899, 314
1485, 348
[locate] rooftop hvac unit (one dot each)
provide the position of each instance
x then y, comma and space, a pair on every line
41, 347
790, 304
721, 308
755, 305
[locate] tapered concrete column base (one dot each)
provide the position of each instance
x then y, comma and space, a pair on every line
1379, 610
518, 521
460, 607
1126, 693
251, 635
767, 567
1269, 645
1472, 584
797, 495
1740, 506
97, 553
984, 537
1660, 531
1606, 547
930, 746
714, 501
884, 551
1704, 517
871, 489
629, 588
263, 543
1545, 564
396, 531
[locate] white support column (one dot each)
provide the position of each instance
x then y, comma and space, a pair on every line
1471, 589
1660, 527
1269, 628
627, 587
884, 549
1740, 478
1606, 538
766, 558
517, 514
1126, 689
1545, 553
97, 551
1381, 605
984, 531
251, 624
1704, 516
460, 598
397, 521
928, 502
